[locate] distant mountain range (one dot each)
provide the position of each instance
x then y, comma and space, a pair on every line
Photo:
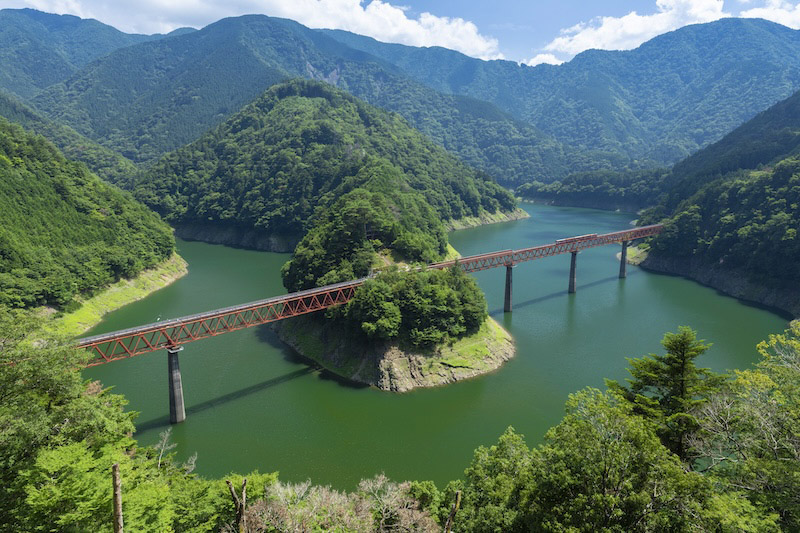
660, 102
143, 96
39, 49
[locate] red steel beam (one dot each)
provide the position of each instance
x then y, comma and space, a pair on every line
126, 343
158, 335
475, 263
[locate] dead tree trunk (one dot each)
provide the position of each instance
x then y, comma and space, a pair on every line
240, 504
453, 510
117, 498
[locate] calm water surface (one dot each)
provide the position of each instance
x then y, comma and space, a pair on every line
252, 404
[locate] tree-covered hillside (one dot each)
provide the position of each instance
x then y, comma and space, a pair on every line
104, 162
146, 100
658, 103
64, 231
748, 222
601, 189
733, 208
300, 146
39, 49
769, 137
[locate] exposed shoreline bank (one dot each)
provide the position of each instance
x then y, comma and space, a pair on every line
253, 239
783, 300
486, 219
389, 368
119, 294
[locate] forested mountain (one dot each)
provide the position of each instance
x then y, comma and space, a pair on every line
658, 103
154, 97
303, 145
733, 207
603, 110
39, 49
769, 137
103, 161
64, 231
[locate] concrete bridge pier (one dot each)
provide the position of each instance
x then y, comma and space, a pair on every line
572, 276
509, 283
177, 412
623, 260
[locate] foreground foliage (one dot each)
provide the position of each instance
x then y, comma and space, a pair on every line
64, 231
604, 467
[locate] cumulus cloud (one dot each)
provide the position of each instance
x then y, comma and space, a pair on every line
779, 11
375, 18
631, 30
538, 59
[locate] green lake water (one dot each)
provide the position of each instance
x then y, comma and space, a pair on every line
252, 404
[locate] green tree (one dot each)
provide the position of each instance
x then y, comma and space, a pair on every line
604, 469
668, 389
45, 404
750, 431
491, 486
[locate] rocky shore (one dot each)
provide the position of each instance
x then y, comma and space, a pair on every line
390, 368
729, 281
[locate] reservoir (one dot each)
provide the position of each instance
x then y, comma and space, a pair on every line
252, 404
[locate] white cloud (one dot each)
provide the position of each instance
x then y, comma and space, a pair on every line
778, 11
375, 18
631, 30
538, 59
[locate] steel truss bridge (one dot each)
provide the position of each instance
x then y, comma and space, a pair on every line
171, 334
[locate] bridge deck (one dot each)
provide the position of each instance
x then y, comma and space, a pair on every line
158, 335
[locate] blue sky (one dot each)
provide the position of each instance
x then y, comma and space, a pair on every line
524, 27
525, 31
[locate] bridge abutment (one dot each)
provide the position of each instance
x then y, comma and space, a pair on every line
177, 412
509, 283
623, 260
572, 274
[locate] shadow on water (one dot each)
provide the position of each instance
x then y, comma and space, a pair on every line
268, 336
564, 293
225, 398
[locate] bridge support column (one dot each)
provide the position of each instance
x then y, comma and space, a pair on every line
509, 283
572, 276
177, 413
623, 260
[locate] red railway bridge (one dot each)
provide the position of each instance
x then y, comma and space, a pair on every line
172, 334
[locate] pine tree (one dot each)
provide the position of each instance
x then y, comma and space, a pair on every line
668, 389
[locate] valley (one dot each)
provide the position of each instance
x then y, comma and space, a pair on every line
149, 176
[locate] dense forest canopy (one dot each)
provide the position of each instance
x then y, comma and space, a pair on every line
734, 204
107, 164
39, 49
65, 231
300, 147
603, 189
748, 222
